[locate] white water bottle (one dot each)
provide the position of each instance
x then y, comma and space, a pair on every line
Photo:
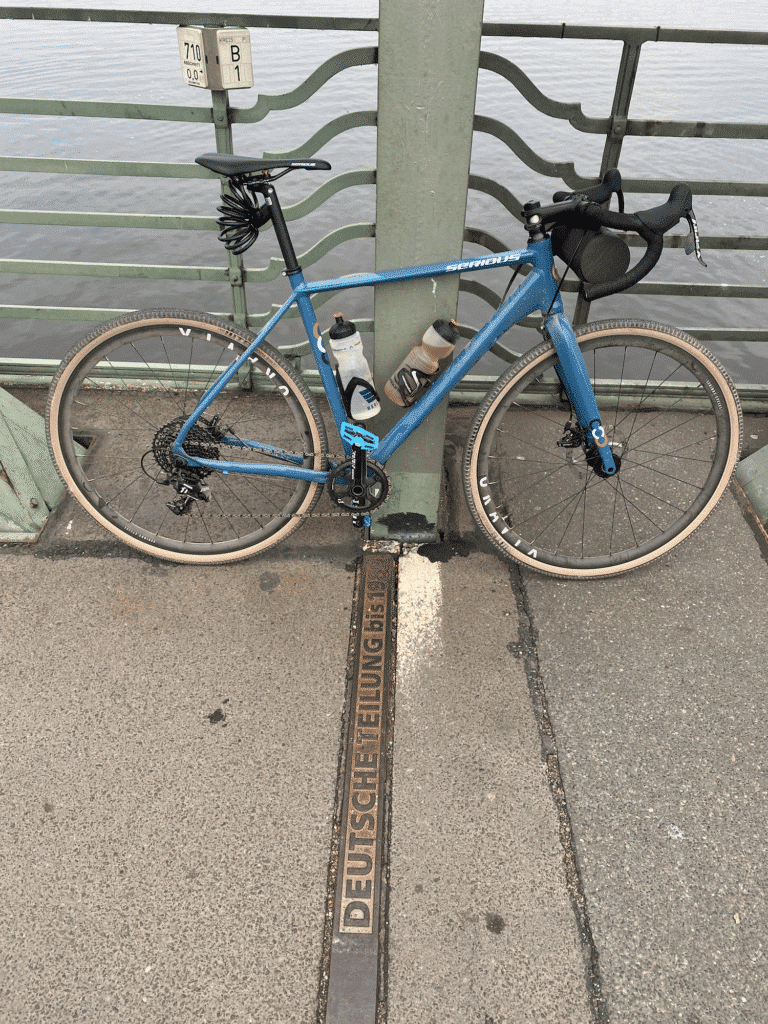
353, 370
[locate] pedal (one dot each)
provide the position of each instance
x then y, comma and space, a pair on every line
354, 434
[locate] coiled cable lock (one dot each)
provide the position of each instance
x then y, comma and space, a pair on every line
241, 215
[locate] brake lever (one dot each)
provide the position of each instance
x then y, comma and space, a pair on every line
692, 244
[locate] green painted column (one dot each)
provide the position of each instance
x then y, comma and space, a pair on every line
428, 60
29, 484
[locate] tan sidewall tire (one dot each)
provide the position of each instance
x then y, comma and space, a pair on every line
590, 332
124, 325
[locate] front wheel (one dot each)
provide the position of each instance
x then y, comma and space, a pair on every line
672, 418
118, 403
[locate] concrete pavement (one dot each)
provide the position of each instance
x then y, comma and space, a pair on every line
579, 786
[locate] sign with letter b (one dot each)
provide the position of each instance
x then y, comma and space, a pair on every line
215, 58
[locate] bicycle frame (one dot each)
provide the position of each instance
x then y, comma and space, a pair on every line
539, 291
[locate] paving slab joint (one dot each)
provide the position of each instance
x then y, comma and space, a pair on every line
526, 648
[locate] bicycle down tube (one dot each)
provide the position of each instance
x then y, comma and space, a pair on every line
539, 291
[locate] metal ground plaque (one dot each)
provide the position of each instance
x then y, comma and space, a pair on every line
354, 959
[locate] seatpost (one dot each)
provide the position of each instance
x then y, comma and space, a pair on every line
281, 230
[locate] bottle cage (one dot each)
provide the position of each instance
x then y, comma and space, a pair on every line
412, 383
346, 392
241, 215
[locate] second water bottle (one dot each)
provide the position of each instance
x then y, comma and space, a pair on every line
421, 367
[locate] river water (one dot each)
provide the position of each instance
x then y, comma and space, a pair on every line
87, 61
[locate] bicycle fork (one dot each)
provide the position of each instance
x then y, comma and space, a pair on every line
573, 374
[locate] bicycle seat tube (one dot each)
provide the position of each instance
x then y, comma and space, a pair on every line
281, 230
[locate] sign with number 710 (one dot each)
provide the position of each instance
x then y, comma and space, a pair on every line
215, 58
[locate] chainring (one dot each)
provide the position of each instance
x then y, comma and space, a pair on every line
373, 492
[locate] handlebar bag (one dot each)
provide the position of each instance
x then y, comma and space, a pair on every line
596, 255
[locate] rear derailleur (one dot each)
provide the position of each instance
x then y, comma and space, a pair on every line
187, 481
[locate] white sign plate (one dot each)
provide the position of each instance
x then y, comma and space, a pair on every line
233, 50
192, 53
215, 58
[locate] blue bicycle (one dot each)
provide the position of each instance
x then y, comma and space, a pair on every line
599, 450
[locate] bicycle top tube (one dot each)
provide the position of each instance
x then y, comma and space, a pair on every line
532, 254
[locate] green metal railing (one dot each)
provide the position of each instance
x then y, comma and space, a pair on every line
615, 129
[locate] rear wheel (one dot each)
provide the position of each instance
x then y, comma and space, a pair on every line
672, 418
118, 403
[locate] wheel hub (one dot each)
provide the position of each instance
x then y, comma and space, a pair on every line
592, 455
579, 455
